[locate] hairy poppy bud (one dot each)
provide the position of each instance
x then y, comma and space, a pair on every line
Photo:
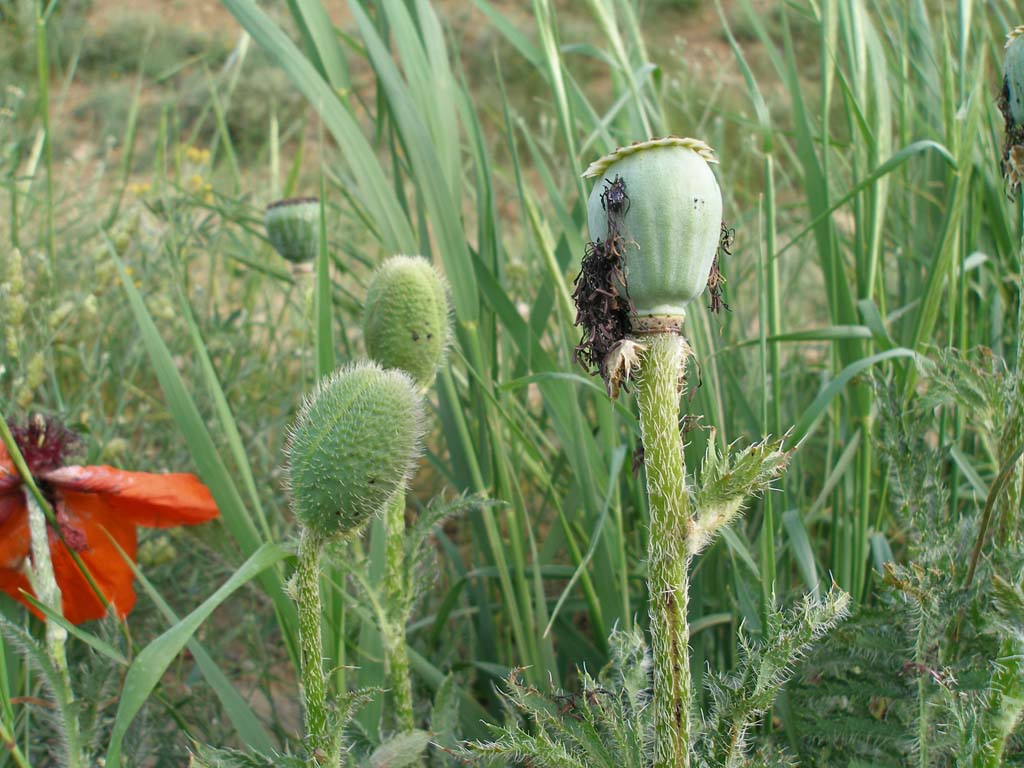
406, 322
1013, 71
352, 447
293, 228
661, 202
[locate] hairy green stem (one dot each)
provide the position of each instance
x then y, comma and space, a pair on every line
1005, 707
397, 609
668, 559
1014, 434
323, 748
920, 658
44, 583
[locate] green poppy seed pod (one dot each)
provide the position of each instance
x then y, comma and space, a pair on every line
663, 200
1013, 71
406, 322
352, 447
293, 228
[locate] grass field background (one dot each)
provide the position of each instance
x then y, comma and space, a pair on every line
859, 147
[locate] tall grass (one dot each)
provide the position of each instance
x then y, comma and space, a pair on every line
858, 147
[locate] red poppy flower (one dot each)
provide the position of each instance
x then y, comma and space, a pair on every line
95, 507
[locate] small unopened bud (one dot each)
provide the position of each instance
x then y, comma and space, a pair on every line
406, 322
352, 447
293, 228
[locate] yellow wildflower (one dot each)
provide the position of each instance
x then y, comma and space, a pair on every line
197, 155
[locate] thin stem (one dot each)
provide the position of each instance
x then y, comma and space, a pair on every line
1005, 707
922, 699
668, 559
397, 608
7, 739
323, 748
43, 79
44, 584
1014, 434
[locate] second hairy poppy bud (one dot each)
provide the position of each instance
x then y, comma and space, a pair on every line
406, 322
659, 203
352, 447
293, 228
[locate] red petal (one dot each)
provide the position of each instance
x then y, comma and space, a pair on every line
9, 477
90, 516
14, 535
156, 501
14, 543
12, 581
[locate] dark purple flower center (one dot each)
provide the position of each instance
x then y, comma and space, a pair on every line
44, 442
73, 537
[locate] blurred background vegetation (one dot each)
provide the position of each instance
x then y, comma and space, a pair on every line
859, 146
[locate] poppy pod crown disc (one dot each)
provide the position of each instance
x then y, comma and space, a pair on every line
661, 198
353, 447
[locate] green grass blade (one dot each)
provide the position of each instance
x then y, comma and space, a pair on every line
151, 663
208, 460
441, 206
547, 30
829, 333
321, 41
224, 416
212, 469
890, 165
102, 647
324, 315
247, 725
801, 549
595, 537
370, 183
817, 409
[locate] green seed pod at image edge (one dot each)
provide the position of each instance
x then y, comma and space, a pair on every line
406, 323
1013, 71
293, 228
353, 447
669, 214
